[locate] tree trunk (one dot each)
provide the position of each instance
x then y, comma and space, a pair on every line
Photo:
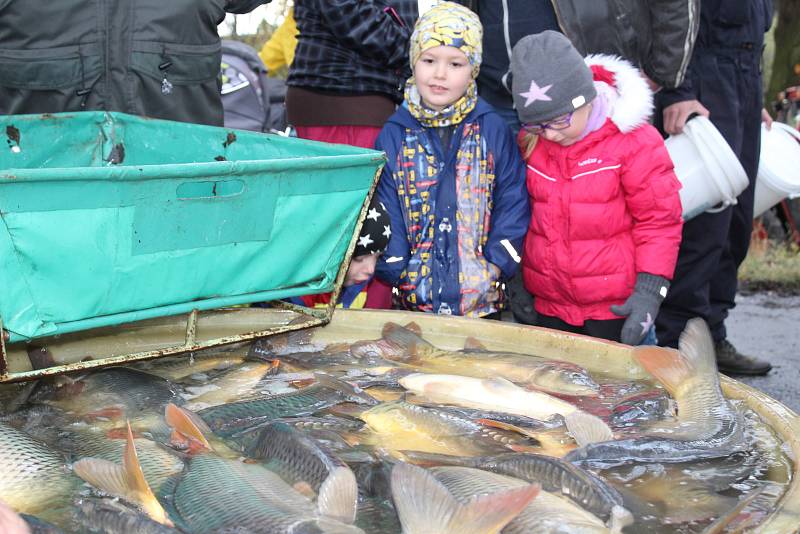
786, 63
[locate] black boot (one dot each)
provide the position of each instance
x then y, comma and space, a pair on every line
731, 361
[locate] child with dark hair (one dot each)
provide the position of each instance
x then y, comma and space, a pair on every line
372, 241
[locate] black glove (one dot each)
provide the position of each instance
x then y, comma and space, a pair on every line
641, 308
520, 301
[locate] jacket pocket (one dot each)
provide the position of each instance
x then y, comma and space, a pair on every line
181, 64
47, 80
176, 82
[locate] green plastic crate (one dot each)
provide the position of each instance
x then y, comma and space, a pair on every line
110, 218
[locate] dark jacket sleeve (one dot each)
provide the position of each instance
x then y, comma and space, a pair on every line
368, 28
395, 258
510, 206
243, 6
674, 25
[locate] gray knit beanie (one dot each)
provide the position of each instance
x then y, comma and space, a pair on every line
550, 78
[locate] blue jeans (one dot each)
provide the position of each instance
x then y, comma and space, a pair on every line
650, 337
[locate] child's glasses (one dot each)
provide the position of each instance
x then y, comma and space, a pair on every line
561, 123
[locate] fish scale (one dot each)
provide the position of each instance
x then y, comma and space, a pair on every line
227, 419
233, 418
545, 514
26, 463
294, 456
432, 430
215, 493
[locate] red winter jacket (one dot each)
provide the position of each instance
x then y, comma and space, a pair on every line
604, 208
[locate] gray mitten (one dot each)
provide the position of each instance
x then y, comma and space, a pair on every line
641, 307
520, 301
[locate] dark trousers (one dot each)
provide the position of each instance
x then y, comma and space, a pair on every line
715, 244
608, 329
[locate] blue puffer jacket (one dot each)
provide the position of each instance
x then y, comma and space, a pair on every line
459, 215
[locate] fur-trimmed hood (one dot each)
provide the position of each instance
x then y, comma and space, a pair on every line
630, 99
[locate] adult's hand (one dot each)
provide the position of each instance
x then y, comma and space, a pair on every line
676, 115
766, 118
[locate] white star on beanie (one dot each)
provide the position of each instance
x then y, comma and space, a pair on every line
365, 241
387, 231
373, 214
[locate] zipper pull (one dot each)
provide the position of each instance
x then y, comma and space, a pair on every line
166, 85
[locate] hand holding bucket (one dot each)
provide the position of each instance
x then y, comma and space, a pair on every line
707, 168
778, 168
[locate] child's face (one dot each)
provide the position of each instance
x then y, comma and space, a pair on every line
442, 75
361, 269
566, 129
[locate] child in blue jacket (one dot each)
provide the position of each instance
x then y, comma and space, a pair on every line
454, 182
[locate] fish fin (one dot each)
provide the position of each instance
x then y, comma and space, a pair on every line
425, 505
414, 327
620, 518
508, 426
432, 459
138, 488
665, 364
351, 392
186, 424
126, 481
338, 495
102, 474
472, 343
586, 428
490, 513
407, 340
274, 368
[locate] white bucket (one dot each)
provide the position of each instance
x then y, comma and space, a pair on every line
706, 167
779, 167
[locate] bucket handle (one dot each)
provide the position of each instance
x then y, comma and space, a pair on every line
721, 206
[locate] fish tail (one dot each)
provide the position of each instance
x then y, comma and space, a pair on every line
425, 505
665, 364
188, 425
338, 495
126, 481
586, 428
697, 346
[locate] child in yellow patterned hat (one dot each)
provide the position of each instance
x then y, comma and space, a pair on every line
454, 182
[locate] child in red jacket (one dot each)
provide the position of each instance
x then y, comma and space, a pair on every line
606, 214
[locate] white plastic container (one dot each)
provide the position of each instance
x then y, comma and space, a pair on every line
707, 168
779, 167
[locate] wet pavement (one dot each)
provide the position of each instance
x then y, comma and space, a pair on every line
767, 325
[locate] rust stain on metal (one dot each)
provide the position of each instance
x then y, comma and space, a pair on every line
40, 357
191, 329
152, 354
229, 140
13, 134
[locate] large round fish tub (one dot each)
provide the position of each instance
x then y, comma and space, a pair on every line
600, 357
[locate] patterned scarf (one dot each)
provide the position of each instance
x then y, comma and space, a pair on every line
452, 114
